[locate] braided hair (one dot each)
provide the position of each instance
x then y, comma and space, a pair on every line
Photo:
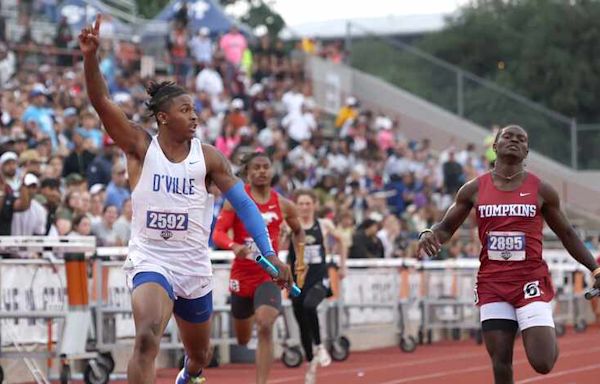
161, 95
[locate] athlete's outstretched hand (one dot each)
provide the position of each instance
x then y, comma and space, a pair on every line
597, 282
285, 273
89, 38
429, 244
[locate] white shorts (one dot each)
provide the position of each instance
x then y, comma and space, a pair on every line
184, 286
536, 314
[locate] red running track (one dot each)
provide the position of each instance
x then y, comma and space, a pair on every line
445, 362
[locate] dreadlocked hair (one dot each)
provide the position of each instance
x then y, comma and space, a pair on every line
247, 159
161, 94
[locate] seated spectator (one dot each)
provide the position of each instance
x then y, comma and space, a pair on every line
80, 157
123, 223
105, 231
117, 190
365, 243
81, 226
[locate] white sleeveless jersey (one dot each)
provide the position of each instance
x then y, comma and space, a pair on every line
172, 213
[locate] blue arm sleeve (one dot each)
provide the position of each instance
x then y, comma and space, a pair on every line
248, 212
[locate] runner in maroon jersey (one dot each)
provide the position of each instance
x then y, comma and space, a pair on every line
513, 284
255, 298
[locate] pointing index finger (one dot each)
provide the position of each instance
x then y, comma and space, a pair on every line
97, 24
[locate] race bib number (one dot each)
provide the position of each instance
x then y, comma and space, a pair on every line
532, 289
234, 285
167, 225
506, 246
312, 254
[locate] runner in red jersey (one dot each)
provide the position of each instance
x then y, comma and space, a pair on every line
255, 298
513, 284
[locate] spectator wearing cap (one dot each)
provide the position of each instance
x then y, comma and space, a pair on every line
30, 161
80, 158
50, 190
236, 116
117, 190
349, 111
8, 169
98, 194
32, 221
20, 143
90, 129
201, 47
10, 203
40, 114
75, 182
99, 171
70, 123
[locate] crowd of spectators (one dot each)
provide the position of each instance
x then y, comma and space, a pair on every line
379, 187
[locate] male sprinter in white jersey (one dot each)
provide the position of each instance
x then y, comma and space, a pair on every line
168, 267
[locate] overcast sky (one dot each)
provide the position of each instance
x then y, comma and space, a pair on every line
297, 12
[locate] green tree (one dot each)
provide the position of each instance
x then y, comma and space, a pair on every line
150, 8
260, 14
546, 50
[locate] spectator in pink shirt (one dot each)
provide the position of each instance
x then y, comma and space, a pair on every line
227, 142
233, 44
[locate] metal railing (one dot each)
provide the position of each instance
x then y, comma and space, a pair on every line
482, 101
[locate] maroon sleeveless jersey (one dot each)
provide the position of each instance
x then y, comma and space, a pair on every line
510, 230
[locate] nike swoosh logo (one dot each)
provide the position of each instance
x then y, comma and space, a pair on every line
272, 207
194, 162
524, 194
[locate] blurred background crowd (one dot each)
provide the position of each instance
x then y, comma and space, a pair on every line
379, 187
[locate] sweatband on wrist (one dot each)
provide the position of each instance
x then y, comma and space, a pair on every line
248, 212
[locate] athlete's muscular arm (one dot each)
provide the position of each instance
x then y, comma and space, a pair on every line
430, 242
290, 214
132, 139
558, 222
329, 229
218, 170
221, 232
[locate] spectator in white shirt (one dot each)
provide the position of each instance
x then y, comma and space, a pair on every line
303, 156
209, 81
8, 64
201, 47
300, 126
293, 100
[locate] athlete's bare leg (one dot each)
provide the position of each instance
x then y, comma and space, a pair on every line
500, 344
152, 309
541, 348
243, 329
196, 342
265, 317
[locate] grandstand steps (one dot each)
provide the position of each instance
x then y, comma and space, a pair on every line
420, 119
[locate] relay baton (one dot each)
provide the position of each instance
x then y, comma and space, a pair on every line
592, 293
274, 272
